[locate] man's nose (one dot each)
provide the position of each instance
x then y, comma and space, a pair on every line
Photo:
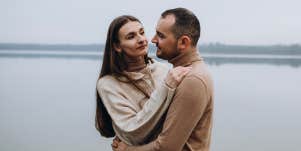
154, 39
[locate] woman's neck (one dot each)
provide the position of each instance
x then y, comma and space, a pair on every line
135, 64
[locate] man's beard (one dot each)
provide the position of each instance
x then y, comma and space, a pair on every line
167, 55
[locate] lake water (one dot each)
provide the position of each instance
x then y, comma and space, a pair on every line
49, 104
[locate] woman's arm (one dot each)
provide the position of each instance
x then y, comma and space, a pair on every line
133, 126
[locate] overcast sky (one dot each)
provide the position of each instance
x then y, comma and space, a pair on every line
248, 22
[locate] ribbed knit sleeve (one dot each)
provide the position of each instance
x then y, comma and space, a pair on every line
130, 125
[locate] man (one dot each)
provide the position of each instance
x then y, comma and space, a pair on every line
188, 122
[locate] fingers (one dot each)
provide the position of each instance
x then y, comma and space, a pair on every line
117, 139
176, 75
114, 145
184, 70
115, 142
180, 72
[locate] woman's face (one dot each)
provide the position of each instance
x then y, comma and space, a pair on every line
133, 41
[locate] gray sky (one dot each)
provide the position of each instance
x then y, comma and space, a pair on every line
248, 22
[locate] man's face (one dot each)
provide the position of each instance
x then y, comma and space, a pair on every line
164, 39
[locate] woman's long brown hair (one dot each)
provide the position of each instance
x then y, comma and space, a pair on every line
113, 64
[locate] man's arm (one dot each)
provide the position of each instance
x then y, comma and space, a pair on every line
187, 108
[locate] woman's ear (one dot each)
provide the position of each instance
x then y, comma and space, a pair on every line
117, 47
184, 42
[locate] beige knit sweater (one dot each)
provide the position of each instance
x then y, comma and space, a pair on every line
134, 115
189, 118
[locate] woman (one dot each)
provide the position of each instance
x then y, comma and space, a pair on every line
132, 91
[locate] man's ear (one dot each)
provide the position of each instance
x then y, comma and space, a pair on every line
184, 42
117, 47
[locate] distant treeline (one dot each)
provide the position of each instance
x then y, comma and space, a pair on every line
72, 47
240, 49
206, 48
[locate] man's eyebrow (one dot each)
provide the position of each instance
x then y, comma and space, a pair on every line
159, 33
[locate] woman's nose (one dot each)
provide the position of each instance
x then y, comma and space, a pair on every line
141, 39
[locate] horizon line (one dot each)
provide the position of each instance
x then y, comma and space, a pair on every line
85, 44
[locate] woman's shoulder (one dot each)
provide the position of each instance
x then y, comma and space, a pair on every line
106, 81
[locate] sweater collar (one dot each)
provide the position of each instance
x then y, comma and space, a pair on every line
135, 64
137, 75
186, 59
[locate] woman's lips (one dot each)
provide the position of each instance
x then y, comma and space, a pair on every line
141, 47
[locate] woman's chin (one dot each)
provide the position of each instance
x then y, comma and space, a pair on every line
144, 52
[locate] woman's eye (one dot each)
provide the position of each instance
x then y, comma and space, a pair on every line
130, 37
142, 33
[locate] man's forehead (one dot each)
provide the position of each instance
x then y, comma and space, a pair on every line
166, 22
168, 19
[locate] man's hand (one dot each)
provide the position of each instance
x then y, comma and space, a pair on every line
118, 145
116, 140
121, 147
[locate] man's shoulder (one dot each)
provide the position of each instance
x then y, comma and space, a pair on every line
199, 76
200, 71
193, 80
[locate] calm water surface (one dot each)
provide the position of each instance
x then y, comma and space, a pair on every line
49, 104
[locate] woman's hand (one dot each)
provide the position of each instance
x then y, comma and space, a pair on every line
176, 75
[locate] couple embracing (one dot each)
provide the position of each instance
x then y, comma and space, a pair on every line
141, 102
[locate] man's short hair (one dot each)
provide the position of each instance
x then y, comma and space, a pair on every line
186, 23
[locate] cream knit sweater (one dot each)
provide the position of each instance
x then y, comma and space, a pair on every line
134, 115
